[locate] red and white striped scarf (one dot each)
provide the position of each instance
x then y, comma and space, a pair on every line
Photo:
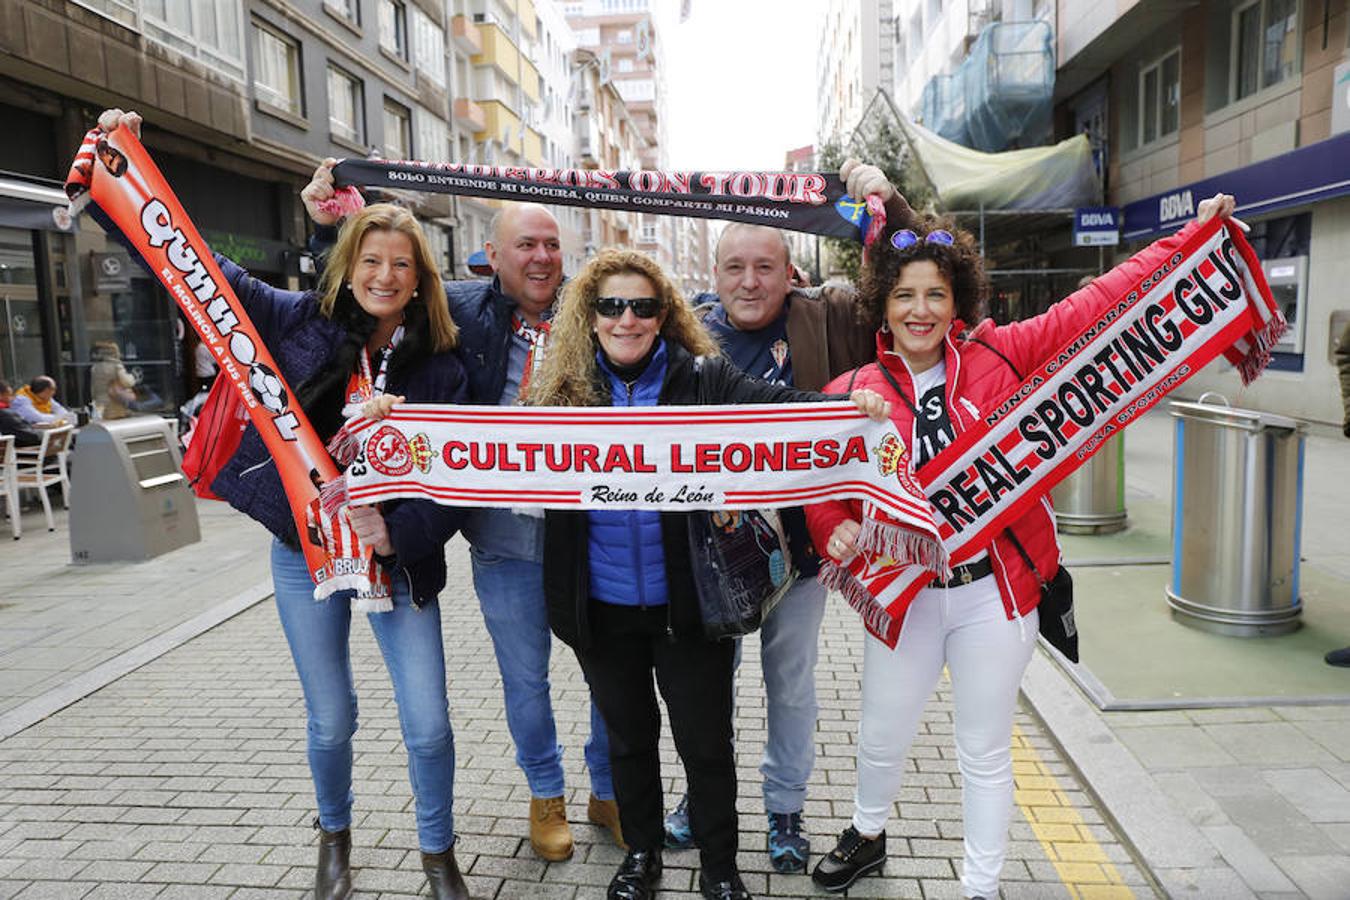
115, 173
1209, 298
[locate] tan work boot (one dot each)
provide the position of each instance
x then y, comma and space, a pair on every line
550, 835
605, 813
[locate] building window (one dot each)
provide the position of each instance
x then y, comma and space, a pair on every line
394, 28
433, 137
397, 131
346, 112
625, 64
1265, 41
276, 77
624, 37
649, 232
210, 30
349, 10
429, 48
1160, 98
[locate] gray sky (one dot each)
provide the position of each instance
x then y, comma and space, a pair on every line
741, 82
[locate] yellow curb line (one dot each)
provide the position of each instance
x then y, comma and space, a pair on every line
1082, 865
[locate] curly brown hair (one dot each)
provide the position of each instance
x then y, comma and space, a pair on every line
960, 263
568, 375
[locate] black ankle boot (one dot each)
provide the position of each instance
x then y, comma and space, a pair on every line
637, 876
333, 874
443, 878
852, 858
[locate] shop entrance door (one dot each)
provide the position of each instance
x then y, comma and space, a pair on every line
21, 343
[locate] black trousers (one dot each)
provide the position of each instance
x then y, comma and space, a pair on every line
695, 679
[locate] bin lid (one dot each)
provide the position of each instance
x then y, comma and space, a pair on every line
1234, 417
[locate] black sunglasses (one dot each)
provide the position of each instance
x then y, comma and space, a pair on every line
642, 307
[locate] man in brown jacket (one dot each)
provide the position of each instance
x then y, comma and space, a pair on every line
802, 337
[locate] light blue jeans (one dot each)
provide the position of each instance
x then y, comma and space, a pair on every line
511, 594
788, 652
410, 641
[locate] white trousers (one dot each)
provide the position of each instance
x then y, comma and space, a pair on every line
985, 652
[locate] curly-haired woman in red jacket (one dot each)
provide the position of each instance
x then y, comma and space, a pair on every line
920, 287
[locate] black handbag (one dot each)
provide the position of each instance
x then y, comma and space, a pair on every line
741, 568
740, 561
1056, 607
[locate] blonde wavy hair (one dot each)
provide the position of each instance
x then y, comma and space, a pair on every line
444, 334
569, 374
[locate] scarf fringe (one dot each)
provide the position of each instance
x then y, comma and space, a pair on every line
345, 201
366, 604
333, 495
876, 224
1263, 341
875, 617
363, 602
343, 447
904, 545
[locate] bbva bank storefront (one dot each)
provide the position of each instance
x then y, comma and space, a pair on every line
1298, 207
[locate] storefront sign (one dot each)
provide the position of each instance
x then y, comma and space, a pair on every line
1340, 99
112, 272
1315, 172
1096, 226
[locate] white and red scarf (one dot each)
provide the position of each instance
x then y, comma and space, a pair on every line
115, 173
663, 457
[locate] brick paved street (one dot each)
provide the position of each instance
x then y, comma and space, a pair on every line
187, 779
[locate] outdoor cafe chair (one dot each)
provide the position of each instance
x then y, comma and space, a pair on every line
45, 465
9, 483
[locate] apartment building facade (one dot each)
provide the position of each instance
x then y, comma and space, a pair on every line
1249, 97
242, 98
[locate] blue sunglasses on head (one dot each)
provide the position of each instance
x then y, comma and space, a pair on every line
904, 238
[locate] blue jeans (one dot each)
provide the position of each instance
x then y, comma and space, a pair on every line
410, 641
511, 594
788, 652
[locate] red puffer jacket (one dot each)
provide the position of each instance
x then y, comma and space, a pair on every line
978, 380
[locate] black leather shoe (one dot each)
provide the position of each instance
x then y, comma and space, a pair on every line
852, 858
637, 876
333, 874
1339, 657
731, 889
443, 878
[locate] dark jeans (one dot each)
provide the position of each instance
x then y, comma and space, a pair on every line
695, 679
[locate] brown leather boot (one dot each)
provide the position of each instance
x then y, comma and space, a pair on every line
443, 878
333, 874
550, 835
605, 813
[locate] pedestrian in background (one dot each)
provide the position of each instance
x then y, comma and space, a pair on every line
920, 286
1341, 657
377, 324
504, 340
618, 583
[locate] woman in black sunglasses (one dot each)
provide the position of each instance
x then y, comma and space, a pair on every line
618, 584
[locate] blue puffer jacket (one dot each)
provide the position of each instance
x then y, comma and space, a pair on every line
302, 341
628, 562
483, 314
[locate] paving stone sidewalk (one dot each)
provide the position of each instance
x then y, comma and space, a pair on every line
187, 779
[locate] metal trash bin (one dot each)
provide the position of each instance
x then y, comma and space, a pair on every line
1237, 511
1092, 499
129, 499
